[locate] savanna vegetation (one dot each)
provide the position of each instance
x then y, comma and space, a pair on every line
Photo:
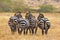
13, 5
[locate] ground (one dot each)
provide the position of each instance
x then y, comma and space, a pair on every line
53, 33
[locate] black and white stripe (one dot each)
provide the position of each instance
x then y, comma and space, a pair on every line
23, 25
44, 24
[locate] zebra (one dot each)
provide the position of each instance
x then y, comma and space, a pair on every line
12, 23
44, 24
33, 25
23, 24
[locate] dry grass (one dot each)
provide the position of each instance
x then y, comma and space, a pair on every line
53, 33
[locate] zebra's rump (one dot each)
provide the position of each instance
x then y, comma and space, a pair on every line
12, 20
33, 22
44, 23
23, 22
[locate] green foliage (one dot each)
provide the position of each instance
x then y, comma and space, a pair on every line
46, 8
12, 6
5, 5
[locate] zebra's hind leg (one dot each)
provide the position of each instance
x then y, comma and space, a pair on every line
42, 32
46, 31
13, 30
35, 30
26, 30
30, 30
20, 31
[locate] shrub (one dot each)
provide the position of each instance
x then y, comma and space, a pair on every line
46, 8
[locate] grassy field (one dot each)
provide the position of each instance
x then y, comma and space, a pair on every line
53, 33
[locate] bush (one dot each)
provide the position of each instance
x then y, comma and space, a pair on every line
46, 8
12, 6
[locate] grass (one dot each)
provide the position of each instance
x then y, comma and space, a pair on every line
53, 33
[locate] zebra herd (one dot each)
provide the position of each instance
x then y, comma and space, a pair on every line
22, 25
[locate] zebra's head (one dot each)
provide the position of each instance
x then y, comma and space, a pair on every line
21, 22
41, 15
